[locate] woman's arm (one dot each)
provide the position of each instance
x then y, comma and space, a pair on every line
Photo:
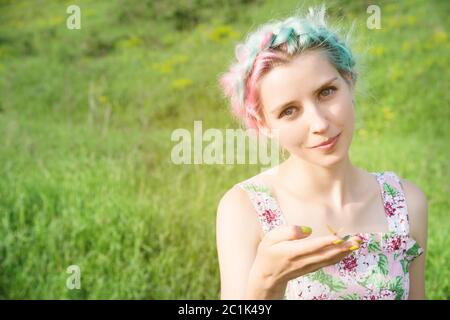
418, 221
238, 234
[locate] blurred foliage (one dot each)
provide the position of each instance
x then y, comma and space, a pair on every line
86, 118
183, 15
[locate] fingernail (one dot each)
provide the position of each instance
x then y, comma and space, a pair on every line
338, 241
331, 229
353, 248
306, 229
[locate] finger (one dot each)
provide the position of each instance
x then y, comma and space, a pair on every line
324, 263
286, 233
313, 246
329, 255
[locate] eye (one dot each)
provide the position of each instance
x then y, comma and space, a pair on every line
327, 92
287, 112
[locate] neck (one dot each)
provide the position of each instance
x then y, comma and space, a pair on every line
334, 186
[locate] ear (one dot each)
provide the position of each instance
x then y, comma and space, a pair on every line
349, 78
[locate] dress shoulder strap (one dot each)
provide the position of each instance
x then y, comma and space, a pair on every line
267, 208
271, 216
394, 202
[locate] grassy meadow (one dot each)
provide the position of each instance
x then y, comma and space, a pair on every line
86, 118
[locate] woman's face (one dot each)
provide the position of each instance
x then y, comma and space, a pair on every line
306, 102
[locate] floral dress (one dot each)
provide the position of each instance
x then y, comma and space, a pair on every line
379, 269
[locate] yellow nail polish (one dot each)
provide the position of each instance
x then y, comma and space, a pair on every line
353, 248
338, 241
306, 230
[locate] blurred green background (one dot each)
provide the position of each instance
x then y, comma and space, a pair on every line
86, 118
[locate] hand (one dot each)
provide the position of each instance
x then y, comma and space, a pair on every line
285, 254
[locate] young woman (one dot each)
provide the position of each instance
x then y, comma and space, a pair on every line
294, 81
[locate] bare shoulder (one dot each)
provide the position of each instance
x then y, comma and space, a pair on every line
235, 207
234, 198
235, 211
237, 196
238, 234
417, 204
416, 199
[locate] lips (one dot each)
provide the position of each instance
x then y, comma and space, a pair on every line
329, 141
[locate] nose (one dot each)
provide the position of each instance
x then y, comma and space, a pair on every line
318, 120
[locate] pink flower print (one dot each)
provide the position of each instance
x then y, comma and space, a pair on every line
383, 294
389, 209
365, 261
372, 295
269, 216
349, 263
387, 294
320, 297
394, 244
400, 199
364, 240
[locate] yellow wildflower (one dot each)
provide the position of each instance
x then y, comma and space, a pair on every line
388, 114
103, 99
378, 51
363, 133
180, 84
223, 32
440, 37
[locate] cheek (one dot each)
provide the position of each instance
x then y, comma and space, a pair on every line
349, 117
292, 135
343, 113
345, 120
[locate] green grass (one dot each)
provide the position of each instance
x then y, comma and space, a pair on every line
86, 118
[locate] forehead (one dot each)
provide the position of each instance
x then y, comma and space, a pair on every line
301, 77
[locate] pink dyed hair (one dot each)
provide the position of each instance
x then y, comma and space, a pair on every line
250, 112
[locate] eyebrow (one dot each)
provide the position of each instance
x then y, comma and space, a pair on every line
326, 83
